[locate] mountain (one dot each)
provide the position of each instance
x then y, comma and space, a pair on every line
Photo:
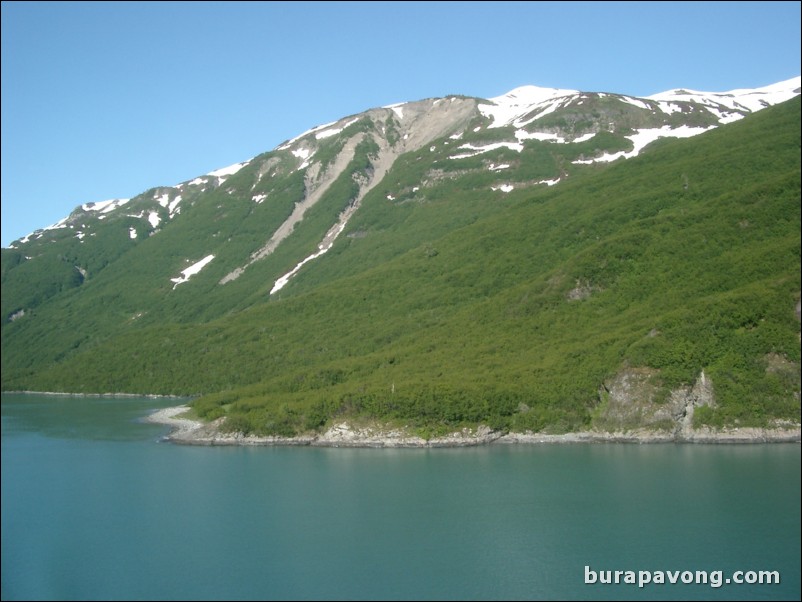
446, 262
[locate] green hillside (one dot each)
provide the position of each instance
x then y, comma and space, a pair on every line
459, 306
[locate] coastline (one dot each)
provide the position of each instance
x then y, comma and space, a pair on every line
193, 432
63, 394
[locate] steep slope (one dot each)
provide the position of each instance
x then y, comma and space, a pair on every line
417, 262
528, 137
681, 261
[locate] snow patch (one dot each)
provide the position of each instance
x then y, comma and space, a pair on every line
224, 172
584, 137
173, 206
550, 108
104, 206
191, 271
542, 136
731, 117
509, 108
636, 102
743, 99
323, 247
328, 243
725, 116
494, 167
503, 188
57, 226
304, 154
258, 198
478, 150
334, 131
669, 107
154, 219
317, 128
643, 137
132, 233
281, 282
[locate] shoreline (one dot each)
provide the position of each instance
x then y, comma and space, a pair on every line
63, 394
193, 432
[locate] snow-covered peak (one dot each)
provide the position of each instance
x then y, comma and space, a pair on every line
750, 99
528, 95
792, 86
509, 108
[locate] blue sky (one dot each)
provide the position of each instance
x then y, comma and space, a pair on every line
105, 100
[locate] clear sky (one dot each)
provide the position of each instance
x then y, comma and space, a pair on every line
104, 100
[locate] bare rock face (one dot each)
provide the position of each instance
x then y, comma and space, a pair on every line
685, 400
635, 399
630, 401
414, 125
375, 435
582, 290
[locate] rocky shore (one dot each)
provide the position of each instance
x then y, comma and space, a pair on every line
341, 434
111, 395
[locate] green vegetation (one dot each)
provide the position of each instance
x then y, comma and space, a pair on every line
450, 304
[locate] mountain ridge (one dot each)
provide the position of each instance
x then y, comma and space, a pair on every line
424, 267
532, 96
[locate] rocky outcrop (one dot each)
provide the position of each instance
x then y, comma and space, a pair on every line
683, 401
414, 125
343, 434
781, 433
635, 399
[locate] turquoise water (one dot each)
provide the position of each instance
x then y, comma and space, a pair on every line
95, 506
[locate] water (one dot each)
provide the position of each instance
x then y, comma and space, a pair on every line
94, 506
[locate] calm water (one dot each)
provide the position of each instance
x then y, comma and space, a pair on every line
94, 506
